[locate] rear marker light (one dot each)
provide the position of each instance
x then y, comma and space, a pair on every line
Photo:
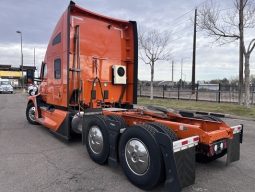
196, 139
185, 142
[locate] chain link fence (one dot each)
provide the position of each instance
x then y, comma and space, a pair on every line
205, 92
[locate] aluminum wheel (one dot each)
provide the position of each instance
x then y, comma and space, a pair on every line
137, 156
96, 141
31, 113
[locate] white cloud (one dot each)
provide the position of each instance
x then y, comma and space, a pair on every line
36, 19
10, 54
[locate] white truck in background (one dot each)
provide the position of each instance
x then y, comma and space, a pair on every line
5, 86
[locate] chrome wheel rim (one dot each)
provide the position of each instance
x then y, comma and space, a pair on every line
137, 156
96, 141
31, 113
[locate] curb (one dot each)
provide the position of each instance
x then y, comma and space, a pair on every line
222, 115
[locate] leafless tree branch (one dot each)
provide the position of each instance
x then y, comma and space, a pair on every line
229, 27
153, 46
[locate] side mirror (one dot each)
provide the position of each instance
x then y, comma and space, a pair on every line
43, 71
38, 79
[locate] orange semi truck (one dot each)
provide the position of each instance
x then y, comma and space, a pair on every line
89, 87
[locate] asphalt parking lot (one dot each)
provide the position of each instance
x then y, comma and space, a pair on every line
33, 160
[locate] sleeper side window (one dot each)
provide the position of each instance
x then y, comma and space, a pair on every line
57, 39
44, 71
57, 68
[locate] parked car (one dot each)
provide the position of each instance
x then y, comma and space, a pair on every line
32, 89
5, 86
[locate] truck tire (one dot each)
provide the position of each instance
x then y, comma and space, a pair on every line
30, 113
118, 119
140, 156
97, 138
30, 92
164, 129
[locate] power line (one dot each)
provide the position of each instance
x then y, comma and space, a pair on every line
176, 39
177, 18
190, 10
186, 13
177, 31
181, 23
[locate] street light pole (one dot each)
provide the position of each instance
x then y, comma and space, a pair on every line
21, 46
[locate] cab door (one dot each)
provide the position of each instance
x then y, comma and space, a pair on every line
43, 87
58, 87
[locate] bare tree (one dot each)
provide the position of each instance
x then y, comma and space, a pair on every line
153, 46
229, 27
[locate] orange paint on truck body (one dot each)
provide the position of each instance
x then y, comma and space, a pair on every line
103, 42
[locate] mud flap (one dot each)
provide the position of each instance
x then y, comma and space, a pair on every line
172, 182
179, 159
234, 144
186, 166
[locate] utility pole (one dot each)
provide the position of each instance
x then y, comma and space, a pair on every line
21, 52
34, 57
193, 81
181, 70
240, 95
172, 70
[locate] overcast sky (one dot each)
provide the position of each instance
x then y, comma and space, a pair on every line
37, 19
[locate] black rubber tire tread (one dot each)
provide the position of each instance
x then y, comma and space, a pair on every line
29, 105
164, 129
100, 121
30, 92
152, 177
200, 158
118, 119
